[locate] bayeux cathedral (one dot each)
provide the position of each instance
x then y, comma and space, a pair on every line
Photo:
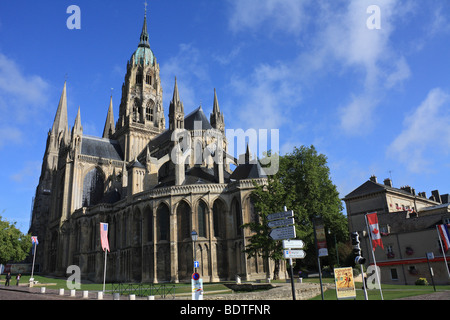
153, 183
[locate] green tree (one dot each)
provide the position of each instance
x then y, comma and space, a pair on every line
14, 245
303, 185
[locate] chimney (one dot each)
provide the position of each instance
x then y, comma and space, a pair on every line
407, 189
436, 196
373, 178
388, 182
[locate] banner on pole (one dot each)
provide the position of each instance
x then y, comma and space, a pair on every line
375, 235
321, 238
104, 236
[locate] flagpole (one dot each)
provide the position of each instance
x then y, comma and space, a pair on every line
442, 248
373, 255
104, 272
34, 258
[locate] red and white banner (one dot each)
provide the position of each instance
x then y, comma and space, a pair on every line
445, 237
104, 236
372, 221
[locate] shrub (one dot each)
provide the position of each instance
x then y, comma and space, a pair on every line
421, 282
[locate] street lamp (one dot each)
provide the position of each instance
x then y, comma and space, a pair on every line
335, 244
194, 236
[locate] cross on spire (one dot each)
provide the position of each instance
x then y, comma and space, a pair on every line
145, 5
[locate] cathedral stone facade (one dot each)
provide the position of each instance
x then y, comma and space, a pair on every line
153, 185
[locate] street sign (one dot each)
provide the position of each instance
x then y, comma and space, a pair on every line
196, 264
281, 223
294, 254
289, 244
280, 215
195, 276
283, 233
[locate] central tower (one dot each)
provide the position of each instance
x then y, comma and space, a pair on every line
141, 113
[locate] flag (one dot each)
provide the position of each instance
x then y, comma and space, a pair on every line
104, 236
372, 220
34, 240
443, 231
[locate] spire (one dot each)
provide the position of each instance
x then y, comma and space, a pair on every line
144, 34
109, 129
60, 122
176, 110
216, 117
77, 128
216, 108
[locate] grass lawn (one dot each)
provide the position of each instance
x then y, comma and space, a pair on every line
390, 292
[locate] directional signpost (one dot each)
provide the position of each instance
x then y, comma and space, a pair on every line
283, 228
293, 254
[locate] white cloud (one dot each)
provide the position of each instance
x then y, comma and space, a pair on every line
339, 42
267, 96
425, 138
188, 66
22, 96
30, 89
10, 135
268, 15
367, 55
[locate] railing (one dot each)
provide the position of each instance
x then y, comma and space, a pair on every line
145, 289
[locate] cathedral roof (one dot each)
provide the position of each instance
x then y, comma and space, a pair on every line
196, 115
100, 147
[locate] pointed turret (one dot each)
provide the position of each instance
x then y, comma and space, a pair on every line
60, 123
216, 117
176, 110
77, 128
109, 129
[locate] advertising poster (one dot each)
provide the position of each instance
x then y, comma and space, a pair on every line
345, 284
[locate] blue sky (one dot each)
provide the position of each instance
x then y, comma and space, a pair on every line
374, 101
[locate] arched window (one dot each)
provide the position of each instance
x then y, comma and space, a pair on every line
150, 111
163, 216
218, 219
136, 111
93, 187
236, 210
201, 218
148, 79
148, 215
138, 78
183, 220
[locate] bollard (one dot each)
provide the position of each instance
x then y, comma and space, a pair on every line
300, 280
132, 297
151, 298
116, 296
72, 293
85, 294
42, 289
61, 291
100, 295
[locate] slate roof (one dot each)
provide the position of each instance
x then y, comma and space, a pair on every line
101, 147
248, 171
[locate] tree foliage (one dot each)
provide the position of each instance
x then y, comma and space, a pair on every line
302, 184
14, 245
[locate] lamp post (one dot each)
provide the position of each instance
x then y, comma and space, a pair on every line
336, 245
194, 236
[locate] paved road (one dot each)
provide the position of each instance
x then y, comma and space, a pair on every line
11, 294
